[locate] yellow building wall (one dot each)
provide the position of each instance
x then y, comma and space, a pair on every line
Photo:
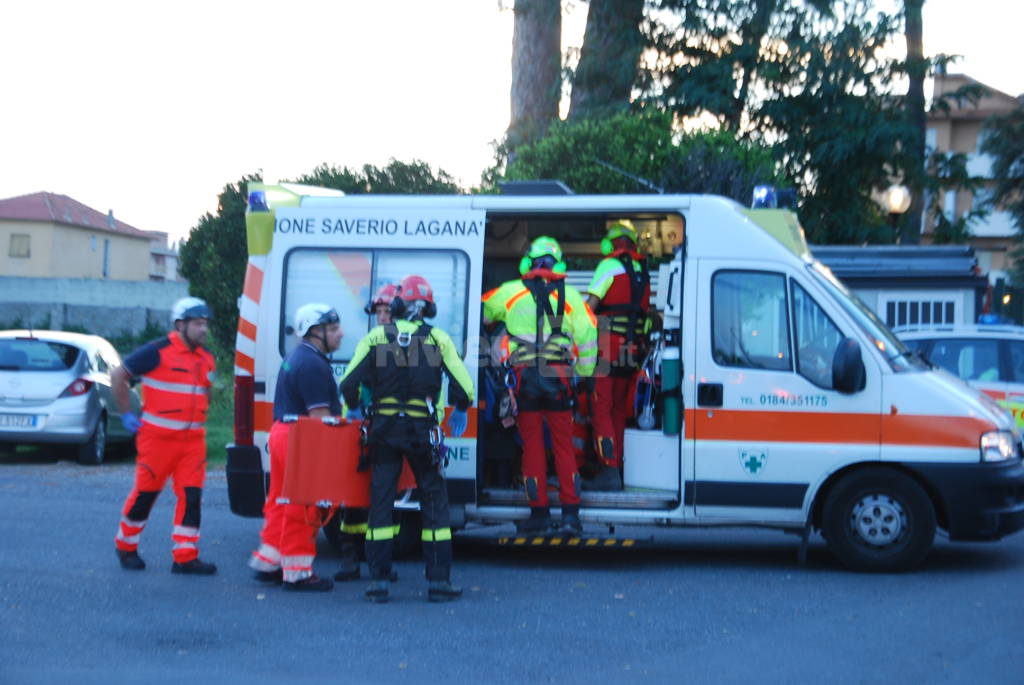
59, 251
78, 253
37, 264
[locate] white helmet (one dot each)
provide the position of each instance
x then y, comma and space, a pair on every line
189, 308
314, 314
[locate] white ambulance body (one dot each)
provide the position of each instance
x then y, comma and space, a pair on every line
799, 410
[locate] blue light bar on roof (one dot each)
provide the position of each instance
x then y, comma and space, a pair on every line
764, 198
258, 201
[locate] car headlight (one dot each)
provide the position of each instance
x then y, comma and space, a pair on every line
998, 446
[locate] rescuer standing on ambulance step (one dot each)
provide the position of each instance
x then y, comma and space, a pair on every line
176, 372
305, 387
401, 363
620, 295
546, 320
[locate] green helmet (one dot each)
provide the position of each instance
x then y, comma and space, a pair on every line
542, 247
620, 229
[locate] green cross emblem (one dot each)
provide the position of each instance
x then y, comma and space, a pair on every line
753, 462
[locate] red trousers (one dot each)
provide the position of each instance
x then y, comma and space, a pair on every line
535, 464
288, 538
163, 453
612, 405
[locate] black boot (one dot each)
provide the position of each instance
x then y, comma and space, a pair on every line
349, 559
196, 567
378, 591
606, 480
443, 591
571, 524
538, 523
130, 561
313, 583
268, 577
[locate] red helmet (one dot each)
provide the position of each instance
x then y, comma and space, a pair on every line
384, 295
413, 288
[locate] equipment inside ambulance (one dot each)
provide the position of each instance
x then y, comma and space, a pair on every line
771, 396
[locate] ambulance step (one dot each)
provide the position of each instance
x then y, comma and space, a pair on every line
627, 499
552, 540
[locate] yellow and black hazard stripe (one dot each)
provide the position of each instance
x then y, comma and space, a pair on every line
565, 541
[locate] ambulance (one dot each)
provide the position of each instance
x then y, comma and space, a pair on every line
782, 401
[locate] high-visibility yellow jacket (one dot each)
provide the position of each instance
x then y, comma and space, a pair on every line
576, 334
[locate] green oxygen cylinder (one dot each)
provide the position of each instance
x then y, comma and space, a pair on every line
671, 402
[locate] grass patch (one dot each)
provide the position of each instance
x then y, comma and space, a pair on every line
220, 423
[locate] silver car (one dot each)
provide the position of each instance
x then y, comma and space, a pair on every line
55, 389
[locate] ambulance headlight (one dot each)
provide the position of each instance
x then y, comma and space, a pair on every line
998, 446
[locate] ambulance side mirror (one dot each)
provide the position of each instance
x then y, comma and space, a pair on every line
848, 373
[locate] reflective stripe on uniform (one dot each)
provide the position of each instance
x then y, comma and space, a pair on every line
385, 533
297, 568
170, 423
174, 387
185, 531
185, 545
266, 558
436, 535
130, 539
354, 528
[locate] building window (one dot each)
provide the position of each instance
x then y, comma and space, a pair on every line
21, 245
106, 258
919, 313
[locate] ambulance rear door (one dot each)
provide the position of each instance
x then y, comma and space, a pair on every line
341, 250
767, 426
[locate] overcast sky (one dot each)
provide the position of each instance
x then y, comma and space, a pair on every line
150, 109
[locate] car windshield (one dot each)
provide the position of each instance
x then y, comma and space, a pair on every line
29, 354
899, 356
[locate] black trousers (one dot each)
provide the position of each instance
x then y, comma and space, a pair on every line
392, 438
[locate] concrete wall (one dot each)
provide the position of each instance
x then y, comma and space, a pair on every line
106, 308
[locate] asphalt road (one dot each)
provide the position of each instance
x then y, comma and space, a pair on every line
694, 606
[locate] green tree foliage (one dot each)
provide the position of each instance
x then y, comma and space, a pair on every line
947, 171
213, 260
808, 78
644, 145
1004, 141
397, 178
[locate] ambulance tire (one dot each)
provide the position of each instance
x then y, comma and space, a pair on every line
879, 520
332, 532
408, 542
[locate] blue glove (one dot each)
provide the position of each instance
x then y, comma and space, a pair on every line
130, 422
354, 414
457, 421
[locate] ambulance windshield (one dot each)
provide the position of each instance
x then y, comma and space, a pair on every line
896, 353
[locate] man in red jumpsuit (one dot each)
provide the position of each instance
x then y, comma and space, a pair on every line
305, 387
620, 294
170, 437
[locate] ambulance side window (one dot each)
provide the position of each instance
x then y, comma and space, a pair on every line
347, 278
816, 339
749, 320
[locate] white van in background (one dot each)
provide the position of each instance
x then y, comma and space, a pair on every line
783, 403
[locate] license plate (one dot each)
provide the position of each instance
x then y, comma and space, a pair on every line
17, 421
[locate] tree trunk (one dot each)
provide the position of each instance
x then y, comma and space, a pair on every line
917, 69
609, 59
536, 69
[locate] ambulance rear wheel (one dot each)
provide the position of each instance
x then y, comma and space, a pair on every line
408, 542
332, 531
879, 520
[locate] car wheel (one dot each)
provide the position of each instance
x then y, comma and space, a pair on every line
879, 520
91, 453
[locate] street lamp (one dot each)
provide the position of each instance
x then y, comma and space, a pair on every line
897, 201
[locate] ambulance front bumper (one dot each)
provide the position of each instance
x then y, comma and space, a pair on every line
981, 501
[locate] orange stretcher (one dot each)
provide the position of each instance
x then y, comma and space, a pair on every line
322, 465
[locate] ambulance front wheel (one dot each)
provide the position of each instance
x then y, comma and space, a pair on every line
879, 520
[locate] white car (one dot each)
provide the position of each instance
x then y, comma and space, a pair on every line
55, 389
989, 357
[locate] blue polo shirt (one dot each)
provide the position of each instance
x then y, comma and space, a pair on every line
305, 383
